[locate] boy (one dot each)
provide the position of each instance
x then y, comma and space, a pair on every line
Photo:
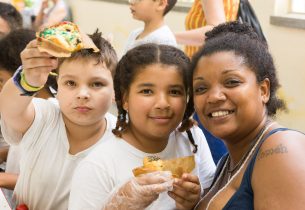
152, 13
55, 138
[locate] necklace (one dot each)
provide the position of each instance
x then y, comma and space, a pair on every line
223, 170
231, 172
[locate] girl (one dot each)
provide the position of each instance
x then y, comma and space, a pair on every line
151, 90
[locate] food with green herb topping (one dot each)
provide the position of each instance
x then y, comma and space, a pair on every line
60, 40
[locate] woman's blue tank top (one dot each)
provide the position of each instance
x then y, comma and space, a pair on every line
243, 197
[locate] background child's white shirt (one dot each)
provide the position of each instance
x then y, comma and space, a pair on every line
46, 167
162, 35
109, 166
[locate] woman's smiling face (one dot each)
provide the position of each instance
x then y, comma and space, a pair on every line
227, 97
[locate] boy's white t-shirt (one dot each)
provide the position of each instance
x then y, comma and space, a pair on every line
110, 165
162, 35
46, 167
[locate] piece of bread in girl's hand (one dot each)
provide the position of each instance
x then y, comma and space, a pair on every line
177, 166
62, 39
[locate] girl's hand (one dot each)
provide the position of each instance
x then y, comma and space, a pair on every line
186, 191
37, 65
140, 192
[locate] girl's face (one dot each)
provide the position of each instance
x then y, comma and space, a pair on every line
227, 97
85, 91
156, 101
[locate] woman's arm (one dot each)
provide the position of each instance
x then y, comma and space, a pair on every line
278, 178
214, 14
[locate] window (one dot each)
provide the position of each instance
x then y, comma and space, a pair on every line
297, 6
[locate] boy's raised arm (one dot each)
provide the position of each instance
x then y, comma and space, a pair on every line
16, 109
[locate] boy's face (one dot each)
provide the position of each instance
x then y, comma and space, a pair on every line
85, 91
4, 76
144, 10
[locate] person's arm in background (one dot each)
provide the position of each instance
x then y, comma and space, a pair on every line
8, 180
214, 14
58, 13
40, 16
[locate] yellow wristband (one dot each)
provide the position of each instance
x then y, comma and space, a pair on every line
25, 85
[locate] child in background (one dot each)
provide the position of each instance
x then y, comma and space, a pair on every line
149, 111
10, 19
54, 138
152, 13
50, 13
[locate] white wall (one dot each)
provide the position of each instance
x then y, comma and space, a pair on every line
287, 45
114, 18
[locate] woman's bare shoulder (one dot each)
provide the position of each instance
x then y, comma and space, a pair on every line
278, 178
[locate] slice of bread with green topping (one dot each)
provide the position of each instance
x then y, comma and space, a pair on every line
60, 40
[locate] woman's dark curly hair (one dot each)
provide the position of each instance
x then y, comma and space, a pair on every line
244, 42
137, 59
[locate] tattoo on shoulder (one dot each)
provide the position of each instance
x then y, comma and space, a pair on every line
279, 149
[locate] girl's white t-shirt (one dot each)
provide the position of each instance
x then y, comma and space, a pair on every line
110, 165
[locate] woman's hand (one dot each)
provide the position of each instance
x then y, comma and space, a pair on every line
186, 191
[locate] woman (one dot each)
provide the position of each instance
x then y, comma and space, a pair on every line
202, 17
234, 87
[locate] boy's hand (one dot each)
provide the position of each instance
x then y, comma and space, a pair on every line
37, 65
186, 191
